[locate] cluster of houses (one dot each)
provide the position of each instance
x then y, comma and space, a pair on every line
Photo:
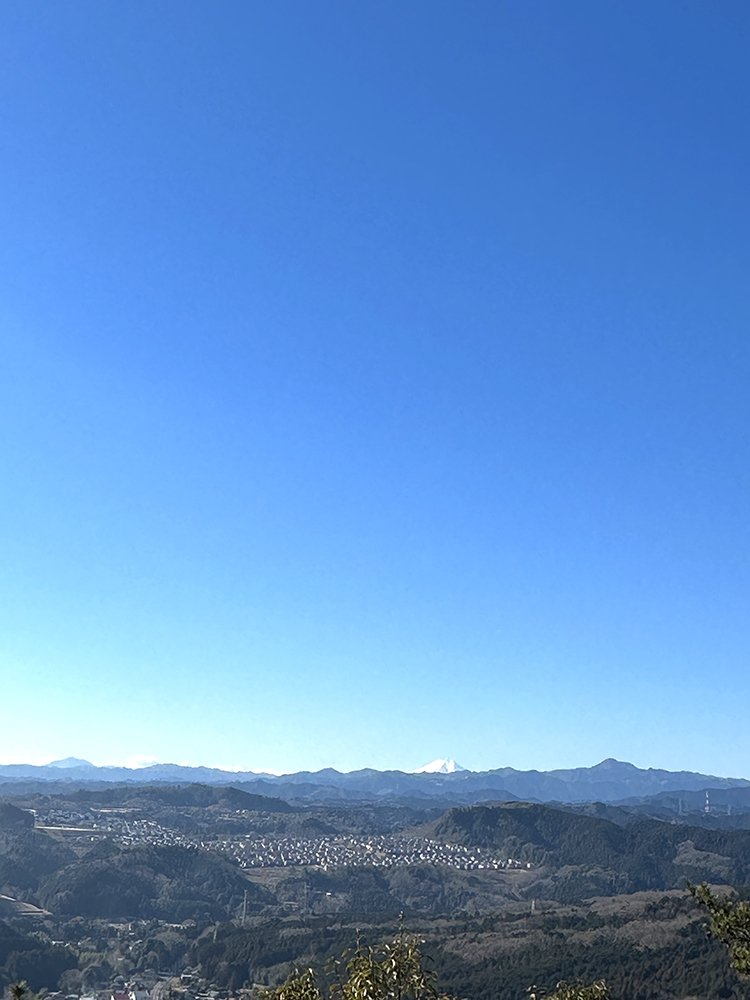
352, 852
380, 851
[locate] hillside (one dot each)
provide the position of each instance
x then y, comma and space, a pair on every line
171, 883
14, 819
588, 854
26, 857
191, 796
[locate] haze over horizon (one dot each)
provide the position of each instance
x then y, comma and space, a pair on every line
374, 378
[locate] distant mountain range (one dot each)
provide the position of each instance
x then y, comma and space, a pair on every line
440, 781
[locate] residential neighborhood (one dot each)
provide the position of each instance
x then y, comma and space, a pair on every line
384, 851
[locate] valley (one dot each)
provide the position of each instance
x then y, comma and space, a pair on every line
215, 889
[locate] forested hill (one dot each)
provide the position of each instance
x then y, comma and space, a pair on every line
13, 818
172, 883
645, 854
191, 796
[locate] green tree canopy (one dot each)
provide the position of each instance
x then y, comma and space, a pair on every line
730, 924
394, 972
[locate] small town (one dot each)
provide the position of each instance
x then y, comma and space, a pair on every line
384, 851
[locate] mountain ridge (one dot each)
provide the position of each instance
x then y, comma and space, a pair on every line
608, 781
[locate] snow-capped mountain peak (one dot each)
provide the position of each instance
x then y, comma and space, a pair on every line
442, 765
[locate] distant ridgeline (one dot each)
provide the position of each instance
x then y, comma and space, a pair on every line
609, 781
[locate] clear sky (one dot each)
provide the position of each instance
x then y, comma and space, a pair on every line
375, 383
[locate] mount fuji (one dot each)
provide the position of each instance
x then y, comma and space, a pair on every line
443, 765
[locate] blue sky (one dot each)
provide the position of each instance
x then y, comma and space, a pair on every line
374, 383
